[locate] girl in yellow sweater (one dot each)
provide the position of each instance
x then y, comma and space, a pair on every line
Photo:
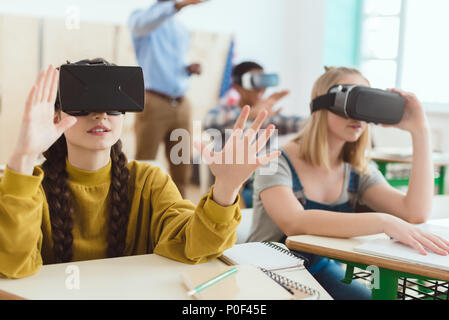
87, 202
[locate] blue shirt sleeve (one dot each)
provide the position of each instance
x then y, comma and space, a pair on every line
143, 21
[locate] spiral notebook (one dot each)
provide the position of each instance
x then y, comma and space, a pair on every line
298, 290
266, 255
248, 283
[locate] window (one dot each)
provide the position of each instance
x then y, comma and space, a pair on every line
379, 44
403, 44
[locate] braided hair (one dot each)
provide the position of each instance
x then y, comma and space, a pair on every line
59, 196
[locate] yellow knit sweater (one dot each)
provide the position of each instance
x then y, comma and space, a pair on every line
160, 220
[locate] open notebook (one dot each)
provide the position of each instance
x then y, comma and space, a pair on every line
395, 250
266, 255
248, 283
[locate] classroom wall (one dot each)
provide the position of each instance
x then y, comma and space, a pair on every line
50, 42
18, 71
285, 36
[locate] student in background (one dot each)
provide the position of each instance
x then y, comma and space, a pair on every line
324, 173
222, 116
161, 44
87, 202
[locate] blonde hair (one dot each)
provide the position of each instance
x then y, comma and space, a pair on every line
313, 140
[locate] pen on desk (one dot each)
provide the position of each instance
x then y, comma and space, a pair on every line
212, 281
284, 286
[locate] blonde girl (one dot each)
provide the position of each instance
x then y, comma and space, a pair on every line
324, 173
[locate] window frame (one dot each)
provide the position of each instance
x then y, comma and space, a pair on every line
400, 52
399, 60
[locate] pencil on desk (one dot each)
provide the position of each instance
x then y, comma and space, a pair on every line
212, 281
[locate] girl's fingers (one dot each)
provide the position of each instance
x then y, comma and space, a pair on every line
440, 242
31, 97
253, 130
402, 93
259, 120
443, 240
65, 124
262, 141
430, 245
53, 86
241, 121
261, 161
235, 145
36, 95
39, 87
36, 90
45, 85
205, 152
417, 246
237, 135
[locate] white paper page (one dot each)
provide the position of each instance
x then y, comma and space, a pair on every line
398, 251
261, 255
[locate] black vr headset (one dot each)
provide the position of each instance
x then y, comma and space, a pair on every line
101, 88
257, 80
362, 103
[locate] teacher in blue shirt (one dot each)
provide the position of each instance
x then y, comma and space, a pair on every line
161, 44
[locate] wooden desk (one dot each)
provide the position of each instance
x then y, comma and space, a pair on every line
390, 270
144, 277
383, 159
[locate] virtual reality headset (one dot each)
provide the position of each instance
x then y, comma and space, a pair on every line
101, 88
257, 80
362, 103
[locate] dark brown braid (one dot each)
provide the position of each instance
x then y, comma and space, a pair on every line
118, 221
59, 197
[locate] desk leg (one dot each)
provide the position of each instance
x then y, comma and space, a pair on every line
349, 274
382, 166
441, 185
388, 285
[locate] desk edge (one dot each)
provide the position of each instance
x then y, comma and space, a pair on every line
380, 262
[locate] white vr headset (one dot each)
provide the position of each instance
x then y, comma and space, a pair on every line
257, 80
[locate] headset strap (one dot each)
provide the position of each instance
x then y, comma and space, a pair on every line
323, 102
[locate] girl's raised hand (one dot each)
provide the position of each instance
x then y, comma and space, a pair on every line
39, 130
238, 159
414, 118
